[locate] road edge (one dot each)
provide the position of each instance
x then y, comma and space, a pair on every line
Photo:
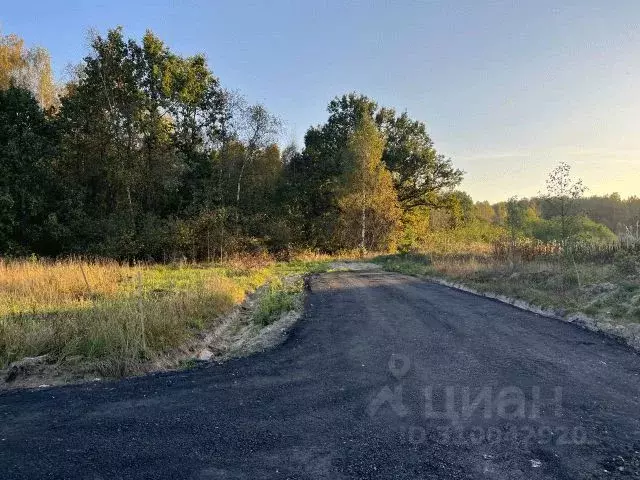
627, 334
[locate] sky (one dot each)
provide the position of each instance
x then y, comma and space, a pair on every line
507, 89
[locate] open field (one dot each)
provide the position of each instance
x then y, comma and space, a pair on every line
113, 318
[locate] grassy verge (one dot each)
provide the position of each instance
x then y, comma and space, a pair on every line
281, 296
113, 318
408, 263
609, 291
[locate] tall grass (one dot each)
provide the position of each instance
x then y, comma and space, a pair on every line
36, 286
116, 317
530, 249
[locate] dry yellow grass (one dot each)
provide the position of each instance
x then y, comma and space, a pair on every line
113, 318
36, 286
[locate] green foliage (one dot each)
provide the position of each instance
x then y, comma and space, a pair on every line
188, 364
27, 187
459, 209
415, 229
516, 217
420, 173
627, 263
368, 204
410, 263
473, 237
619, 215
280, 297
561, 198
148, 157
421, 177
580, 228
483, 211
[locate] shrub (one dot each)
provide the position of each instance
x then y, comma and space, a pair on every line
627, 263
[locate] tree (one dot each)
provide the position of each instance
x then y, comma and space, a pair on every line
561, 197
258, 129
368, 202
459, 208
27, 218
421, 175
516, 217
37, 77
322, 162
583, 228
11, 59
138, 128
485, 212
27, 68
146, 156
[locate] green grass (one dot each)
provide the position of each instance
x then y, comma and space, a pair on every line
116, 319
187, 364
408, 263
280, 297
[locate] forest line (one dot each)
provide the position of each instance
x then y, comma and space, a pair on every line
144, 155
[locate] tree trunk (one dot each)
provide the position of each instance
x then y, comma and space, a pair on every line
363, 223
244, 163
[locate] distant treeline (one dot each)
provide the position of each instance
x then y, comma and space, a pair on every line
621, 216
143, 154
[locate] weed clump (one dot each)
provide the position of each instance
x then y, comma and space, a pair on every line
627, 263
279, 298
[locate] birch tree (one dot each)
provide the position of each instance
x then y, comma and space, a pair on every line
369, 208
29, 69
561, 197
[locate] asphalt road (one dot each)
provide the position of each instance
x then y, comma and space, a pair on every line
385, 376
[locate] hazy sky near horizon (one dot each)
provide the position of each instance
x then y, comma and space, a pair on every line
507, 88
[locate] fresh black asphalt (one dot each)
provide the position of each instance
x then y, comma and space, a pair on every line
385, 376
